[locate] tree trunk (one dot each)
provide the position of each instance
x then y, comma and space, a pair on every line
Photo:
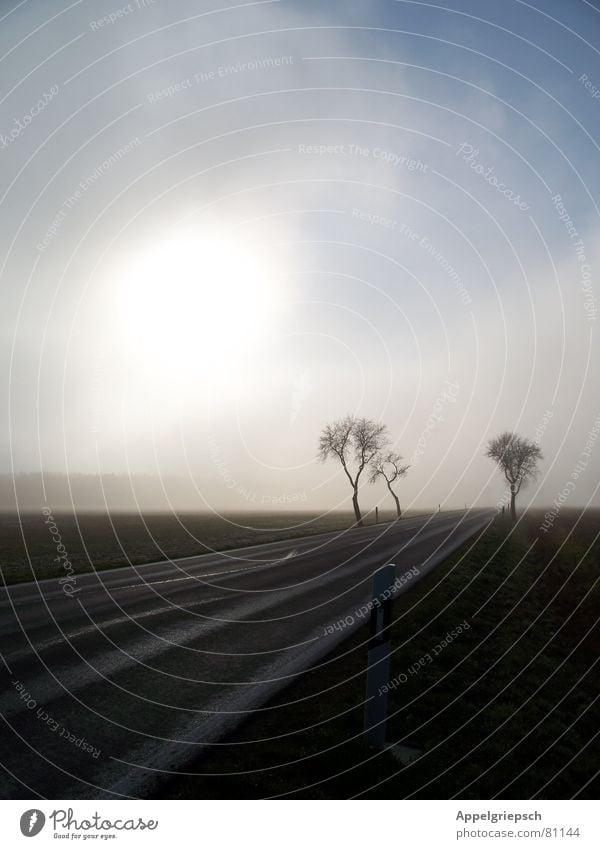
357, 512
397, 500
513, 508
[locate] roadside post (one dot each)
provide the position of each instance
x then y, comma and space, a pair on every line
378, 659
377, 515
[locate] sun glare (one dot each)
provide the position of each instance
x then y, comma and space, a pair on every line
191, 302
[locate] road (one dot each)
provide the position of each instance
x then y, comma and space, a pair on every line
144, 666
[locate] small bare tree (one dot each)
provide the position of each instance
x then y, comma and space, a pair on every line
354, 442
517, 458
389, 467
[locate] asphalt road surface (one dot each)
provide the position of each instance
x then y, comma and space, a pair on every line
141, 667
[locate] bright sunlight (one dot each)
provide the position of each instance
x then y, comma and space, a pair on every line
191, 301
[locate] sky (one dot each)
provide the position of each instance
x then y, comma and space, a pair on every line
225, 225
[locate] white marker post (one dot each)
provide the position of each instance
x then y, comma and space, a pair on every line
378, 660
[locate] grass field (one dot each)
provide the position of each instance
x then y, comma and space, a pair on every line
103, 541
506, 709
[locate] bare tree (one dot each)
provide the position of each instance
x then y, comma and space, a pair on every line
517, 458
354, 442
389, 467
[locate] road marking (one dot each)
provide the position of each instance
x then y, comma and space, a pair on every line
224, 554
288, 556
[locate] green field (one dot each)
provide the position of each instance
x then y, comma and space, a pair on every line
103, 541
507, 709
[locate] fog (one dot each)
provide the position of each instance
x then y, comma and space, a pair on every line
223, 227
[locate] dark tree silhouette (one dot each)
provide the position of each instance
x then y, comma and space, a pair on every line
389, 467
354, 442
517, 458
